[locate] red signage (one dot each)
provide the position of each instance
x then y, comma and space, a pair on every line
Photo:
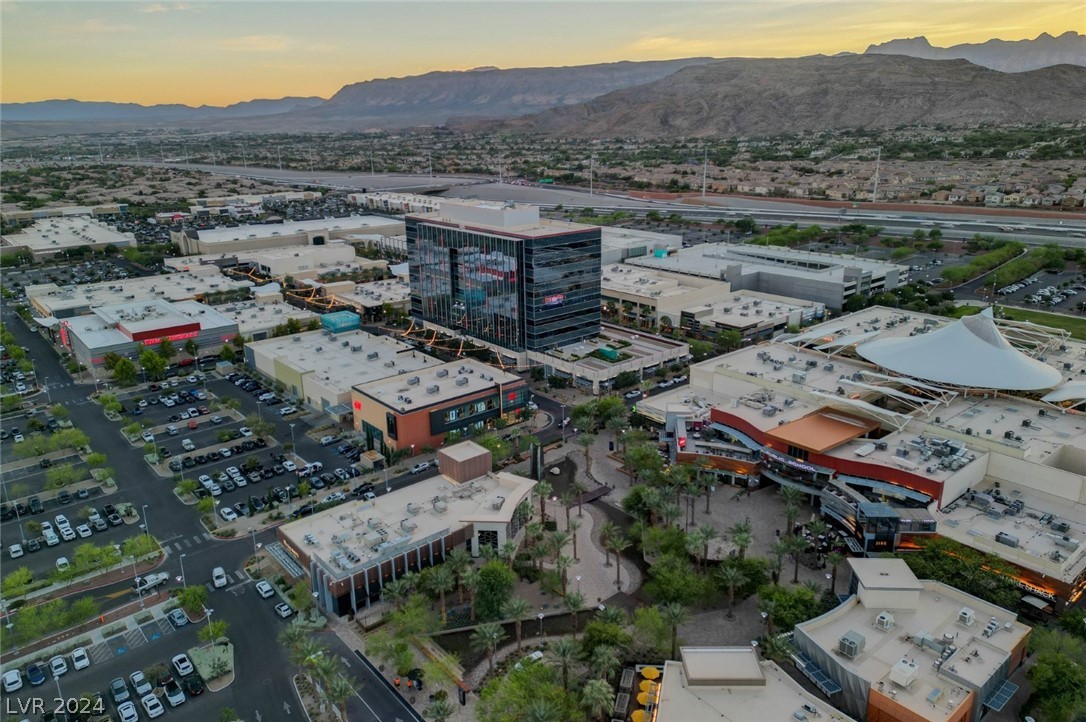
174, 337
64, 334
357, 405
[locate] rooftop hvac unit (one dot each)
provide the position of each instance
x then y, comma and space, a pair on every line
408, 525
389, 364
433, 389
373, 522
799, 377
1058, 526
1008, 539
769, 411
319, 349
442, 373
413, 381
851, 645
355, 349
440, 506
296, 339
371, 355
413, 508
904, 673
885, 621
461, 382
497, 503
345, 344
1066, 542
966, 616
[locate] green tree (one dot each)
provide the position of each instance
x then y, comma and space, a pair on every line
574, 602
674, 614
1059, 684
495, 587
731, 578
597, 698
193, 598
516, 609
152, 364
192, 348
213, 630
487, 637
651, 631
565, 652
441, 580
440, 710
16, 582
124, 372
166, 349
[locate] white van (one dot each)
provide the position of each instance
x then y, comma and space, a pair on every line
187, 444
51, 538
171, 430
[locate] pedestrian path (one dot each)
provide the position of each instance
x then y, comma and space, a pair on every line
182, 544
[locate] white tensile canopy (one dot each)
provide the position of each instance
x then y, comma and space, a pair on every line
970, 352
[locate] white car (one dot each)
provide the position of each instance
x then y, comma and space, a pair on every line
287, 410
152, 706
58, 666
228, 514
15, 551
62, 564
148, 437
191, 379
284, 610
245, 431
264, 589
83, 530
13, 680
141, 684
218, 577
225, 452
127, 712
80, 658
290, 465
67, 533
182, 664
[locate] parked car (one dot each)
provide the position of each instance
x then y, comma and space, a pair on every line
58, 666
218, 578
178, 618
264, 589
140, 683
153, 707
284, 610
181, 662
35, 675
13, 681
119, 690
80, 658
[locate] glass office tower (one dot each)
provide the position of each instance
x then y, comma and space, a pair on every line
523, 286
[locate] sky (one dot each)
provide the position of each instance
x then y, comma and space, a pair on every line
227, 51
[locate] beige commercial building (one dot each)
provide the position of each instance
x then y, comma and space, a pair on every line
273, 235
51, 237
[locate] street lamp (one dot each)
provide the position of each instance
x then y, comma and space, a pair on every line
540, 618
562, 423
45, 387
183, 582
292, 447
578, 583
146, 524
252, 530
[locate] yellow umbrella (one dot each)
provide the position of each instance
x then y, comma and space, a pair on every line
650, 673
643, 698
638, 715
645, 685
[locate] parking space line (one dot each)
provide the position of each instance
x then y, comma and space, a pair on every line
100, 653
188, 544
207, 537
197, 539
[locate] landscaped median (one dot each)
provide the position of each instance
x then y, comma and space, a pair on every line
215, 663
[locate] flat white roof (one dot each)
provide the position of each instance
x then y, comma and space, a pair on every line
171, 287
616, 237
373, 531
742, 309
936, 619
436, 384
251, 316
99, 329
336, 364
289, 228
67, 232
713, 259
334, 251
650, 283
376, 293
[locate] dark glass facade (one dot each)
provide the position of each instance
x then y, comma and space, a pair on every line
520, 293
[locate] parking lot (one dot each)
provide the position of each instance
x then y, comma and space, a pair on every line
1046, 291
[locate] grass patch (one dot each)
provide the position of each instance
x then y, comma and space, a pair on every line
1075, 325
622, 356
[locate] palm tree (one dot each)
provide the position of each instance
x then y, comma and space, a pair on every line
565, 652
339, 689
585, 440
543, 488
793, 497
674, 614
619, 543
597, 698
441, 581
440, 710
470, 580
509, 552
707, 533
558, 541
742, 540
579, 489
567, 499
458, 560
780, 548
608, 530
814, 587
605, 660
730, 577
796, 546
669, 510
516, 609
487, 637
573, 526
613, 615
769, 607
574, 603
833, 559
562, 565
304, 651
397, 591
818, 527
541, 709
539, 553
775, 648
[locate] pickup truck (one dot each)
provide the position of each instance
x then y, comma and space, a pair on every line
149, 581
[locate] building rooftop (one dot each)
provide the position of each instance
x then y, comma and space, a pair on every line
289, 228
643, 349
117, 323
885, 574
331, 253
517, 220
901, 654
1048, 533
359, 534
649, 283
634, 237
67, 232
713, 259
343, 360
376, 293
763, 690
435, 384
52, 299
252, 317
743, 309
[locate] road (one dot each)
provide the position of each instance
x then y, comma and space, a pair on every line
263, 671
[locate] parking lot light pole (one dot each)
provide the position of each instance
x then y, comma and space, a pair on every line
540, 618
146, 524
183, 582
293, 449
252, 530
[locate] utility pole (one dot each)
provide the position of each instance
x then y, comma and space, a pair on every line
430, 162
500, 159
704, 173
591, 174
101, 158
279, 157
878, 159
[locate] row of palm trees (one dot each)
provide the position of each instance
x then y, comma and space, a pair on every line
323, 668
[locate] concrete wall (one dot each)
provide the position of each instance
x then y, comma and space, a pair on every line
1046, 479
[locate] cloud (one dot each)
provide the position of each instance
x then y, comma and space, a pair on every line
256, 43
93, 26
157, 8
668, 44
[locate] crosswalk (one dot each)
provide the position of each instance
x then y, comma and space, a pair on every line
120, 644
183, 544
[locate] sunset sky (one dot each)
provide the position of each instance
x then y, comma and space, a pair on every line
223, 52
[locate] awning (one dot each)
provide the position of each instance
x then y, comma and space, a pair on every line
892, 490
1001, 696
737, 435
1036, 603
1073, 391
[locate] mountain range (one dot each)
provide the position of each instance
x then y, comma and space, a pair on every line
1009, 56
882, 87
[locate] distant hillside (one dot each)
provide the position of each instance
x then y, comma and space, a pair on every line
769, 96
1009, 56
83, 111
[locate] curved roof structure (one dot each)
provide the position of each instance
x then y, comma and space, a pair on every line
969, 352
1074, 391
